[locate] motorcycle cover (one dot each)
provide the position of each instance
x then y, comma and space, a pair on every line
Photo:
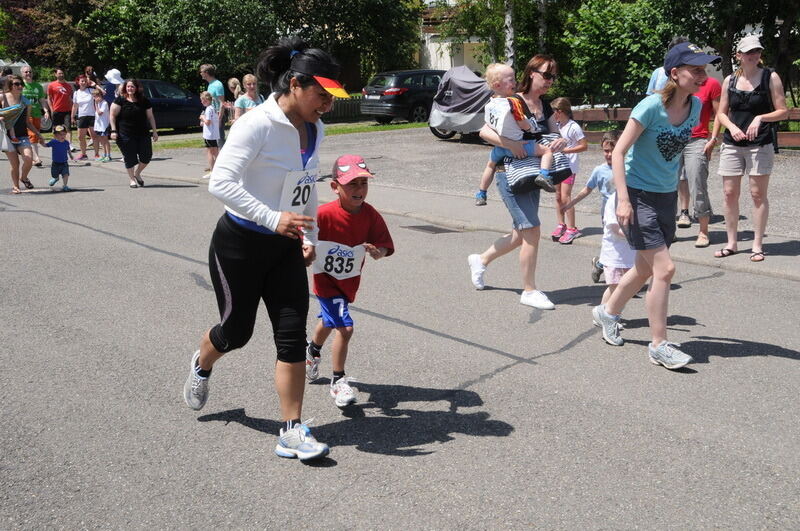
459, 101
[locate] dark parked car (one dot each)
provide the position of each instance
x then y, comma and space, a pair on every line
401, 94
173, 107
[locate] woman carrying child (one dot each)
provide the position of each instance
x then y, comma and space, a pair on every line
564, 233
646, 182
538, 77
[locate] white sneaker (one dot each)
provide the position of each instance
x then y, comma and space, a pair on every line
312, 364
537, 299
342, 393
477, 269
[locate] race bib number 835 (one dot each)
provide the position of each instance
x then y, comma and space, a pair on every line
338, 260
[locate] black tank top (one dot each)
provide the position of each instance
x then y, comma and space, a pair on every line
744, 105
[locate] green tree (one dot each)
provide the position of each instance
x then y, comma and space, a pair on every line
5, 23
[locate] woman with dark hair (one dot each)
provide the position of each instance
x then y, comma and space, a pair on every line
265, 176
17, 133
83, 115
131, 124
540, 74
752, 100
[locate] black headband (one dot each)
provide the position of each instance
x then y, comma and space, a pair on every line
310, 67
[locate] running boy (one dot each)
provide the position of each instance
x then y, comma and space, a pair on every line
102, 128
603, 180
210, 122
576, 143
349, 228
61, 156
501, 80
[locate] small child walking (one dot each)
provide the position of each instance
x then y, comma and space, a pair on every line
567, 231
616, 255
210, 122
349, 229
502, 81
102, 128
61, 155
603, 180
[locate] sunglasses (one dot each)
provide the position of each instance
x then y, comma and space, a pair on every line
17, 84
547, 75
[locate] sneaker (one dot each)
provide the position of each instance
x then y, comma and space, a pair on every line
545, 183
480, 198
477, 269
610, 326
312, 364
98, 158
81, 157
66, 188
537, 299
106, 158
568, 236
684, 222
52, 181
597, 269
668, 355
195, 390
298, 442
74, 149
559, 231
342, 393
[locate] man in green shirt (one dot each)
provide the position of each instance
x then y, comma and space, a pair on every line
34, 92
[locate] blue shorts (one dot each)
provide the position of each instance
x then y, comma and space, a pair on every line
653, 223
524, 208
498, 154
59, 168
334, 312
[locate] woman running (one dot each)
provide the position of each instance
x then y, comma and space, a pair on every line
266, 178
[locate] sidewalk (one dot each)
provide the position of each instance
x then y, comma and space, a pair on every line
457, 212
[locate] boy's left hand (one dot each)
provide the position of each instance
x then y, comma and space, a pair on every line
375, 252
309, 254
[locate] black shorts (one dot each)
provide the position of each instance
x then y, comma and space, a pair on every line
210, 143
62, 118
86, 122
653, 222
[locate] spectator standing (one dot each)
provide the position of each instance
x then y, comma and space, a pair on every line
59, 101
102, 127
131, 124
217, 91
249, 99
34, 93
111, 87
209, 120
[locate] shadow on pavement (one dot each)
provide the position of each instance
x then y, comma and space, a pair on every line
703, 347
148, 185
398, 431
790, 248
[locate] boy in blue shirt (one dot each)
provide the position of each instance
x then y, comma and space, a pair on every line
61, 157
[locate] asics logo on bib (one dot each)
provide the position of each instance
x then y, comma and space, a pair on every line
307, 179
338, 251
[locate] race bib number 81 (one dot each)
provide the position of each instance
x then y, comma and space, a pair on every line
297, 189
338, 260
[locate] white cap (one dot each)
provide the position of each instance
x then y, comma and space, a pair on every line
114, 76
749, 42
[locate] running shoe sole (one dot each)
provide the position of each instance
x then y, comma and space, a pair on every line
291, 453
672, 366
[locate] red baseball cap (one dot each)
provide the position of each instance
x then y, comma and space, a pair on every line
349, 167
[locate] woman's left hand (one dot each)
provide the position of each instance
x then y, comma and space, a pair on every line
155, 136
309, 254
752, 129
558, 145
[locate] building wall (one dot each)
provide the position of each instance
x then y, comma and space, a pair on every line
440, 53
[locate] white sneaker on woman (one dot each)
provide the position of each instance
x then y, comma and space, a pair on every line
476, 269
537, 299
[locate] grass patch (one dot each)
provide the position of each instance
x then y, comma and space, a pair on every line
178, 144
343, 129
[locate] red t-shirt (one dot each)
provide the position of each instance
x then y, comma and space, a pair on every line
338, 225
709, 91
60, 95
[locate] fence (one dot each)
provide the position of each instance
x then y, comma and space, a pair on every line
621, 115
345, 111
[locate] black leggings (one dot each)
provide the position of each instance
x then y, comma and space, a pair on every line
247, 266
135, 149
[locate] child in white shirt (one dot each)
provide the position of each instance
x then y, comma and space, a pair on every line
210, 122
564, 233
616, 254
102, 129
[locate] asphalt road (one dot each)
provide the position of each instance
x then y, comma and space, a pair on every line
475, 412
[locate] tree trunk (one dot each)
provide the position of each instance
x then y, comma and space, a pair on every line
542, 25
508, 26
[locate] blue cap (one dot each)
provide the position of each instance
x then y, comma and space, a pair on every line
687, 53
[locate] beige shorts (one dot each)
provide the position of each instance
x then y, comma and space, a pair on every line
748, 160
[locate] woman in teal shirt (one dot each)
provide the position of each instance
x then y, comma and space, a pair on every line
645, 167
249, 99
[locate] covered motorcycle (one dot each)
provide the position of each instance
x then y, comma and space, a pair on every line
458, 103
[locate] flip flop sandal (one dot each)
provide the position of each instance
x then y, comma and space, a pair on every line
757, 257
139, 180
28, 184
725, 253
15, 191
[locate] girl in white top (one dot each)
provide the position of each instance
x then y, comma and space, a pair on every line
102, 129
266, 176
565, 232
83, 110
616, 254
210, 122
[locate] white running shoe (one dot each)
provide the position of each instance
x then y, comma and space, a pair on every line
537, 299
298, 442
477, 269
342, 393
195, 390
312, 365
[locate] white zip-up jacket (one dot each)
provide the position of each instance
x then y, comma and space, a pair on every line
249, 174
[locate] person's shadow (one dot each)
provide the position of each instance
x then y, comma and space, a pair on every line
378, 425
701, 348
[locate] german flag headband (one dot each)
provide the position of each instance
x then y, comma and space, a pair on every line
323, 73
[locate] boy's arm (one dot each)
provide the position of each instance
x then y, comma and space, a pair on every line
578, 198
376, 252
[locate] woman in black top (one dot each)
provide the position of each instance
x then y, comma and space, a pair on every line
131, 124
752, 98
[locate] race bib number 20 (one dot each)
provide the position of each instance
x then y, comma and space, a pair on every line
338, 260
297, 189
